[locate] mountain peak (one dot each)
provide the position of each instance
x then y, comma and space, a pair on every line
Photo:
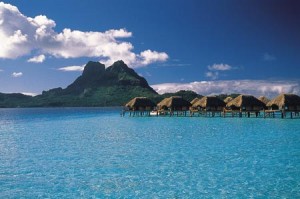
120, 62
95, 76
118, 66
93, 69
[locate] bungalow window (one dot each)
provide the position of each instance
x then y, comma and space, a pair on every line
291, 108
219, 108
141, 108
256, 108
286, 108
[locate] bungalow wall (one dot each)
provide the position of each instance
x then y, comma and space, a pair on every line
214, 108
292, 108
285, 108
142, 108
179, 108
252, 108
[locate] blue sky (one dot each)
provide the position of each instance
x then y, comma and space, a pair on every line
206, 46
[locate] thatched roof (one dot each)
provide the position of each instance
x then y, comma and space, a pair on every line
264, 99
228, 99
285, 100
173, 102
245, 100
209, 101
140, 102
195, 100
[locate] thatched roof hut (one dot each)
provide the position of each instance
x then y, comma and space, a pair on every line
140, 103
246, 103
264, 99
210, 103
194, 100
228, 99
174, 103
288, 102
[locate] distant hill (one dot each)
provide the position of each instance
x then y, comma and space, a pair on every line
224, 96
14, 100
96, 86
188, 95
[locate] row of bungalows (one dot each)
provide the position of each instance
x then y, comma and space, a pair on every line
142, 106
241, 106
213, 106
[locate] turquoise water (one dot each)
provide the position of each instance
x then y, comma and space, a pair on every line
95, 153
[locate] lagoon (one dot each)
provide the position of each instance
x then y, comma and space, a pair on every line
95, 153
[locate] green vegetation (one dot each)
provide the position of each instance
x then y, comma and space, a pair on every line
188, 95
14, 100
97, 86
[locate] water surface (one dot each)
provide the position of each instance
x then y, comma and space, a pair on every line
93, 152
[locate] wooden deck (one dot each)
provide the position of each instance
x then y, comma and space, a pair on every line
202, 113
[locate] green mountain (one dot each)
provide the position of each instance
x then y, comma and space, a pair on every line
98, 86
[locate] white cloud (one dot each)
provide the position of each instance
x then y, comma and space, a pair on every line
122, 33
216, 67
147, 57
212, 75
22, 35
269, 57
37, 59
72, 68
29, 94
253, 87
17, 74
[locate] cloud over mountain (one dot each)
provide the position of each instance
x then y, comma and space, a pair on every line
71, 68
22, 35
254, 87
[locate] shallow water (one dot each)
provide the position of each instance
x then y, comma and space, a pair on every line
93, 152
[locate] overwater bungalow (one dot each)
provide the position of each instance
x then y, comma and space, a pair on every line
228, 99
209, 106
284, 103
247, 104
174, 105
140, 106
